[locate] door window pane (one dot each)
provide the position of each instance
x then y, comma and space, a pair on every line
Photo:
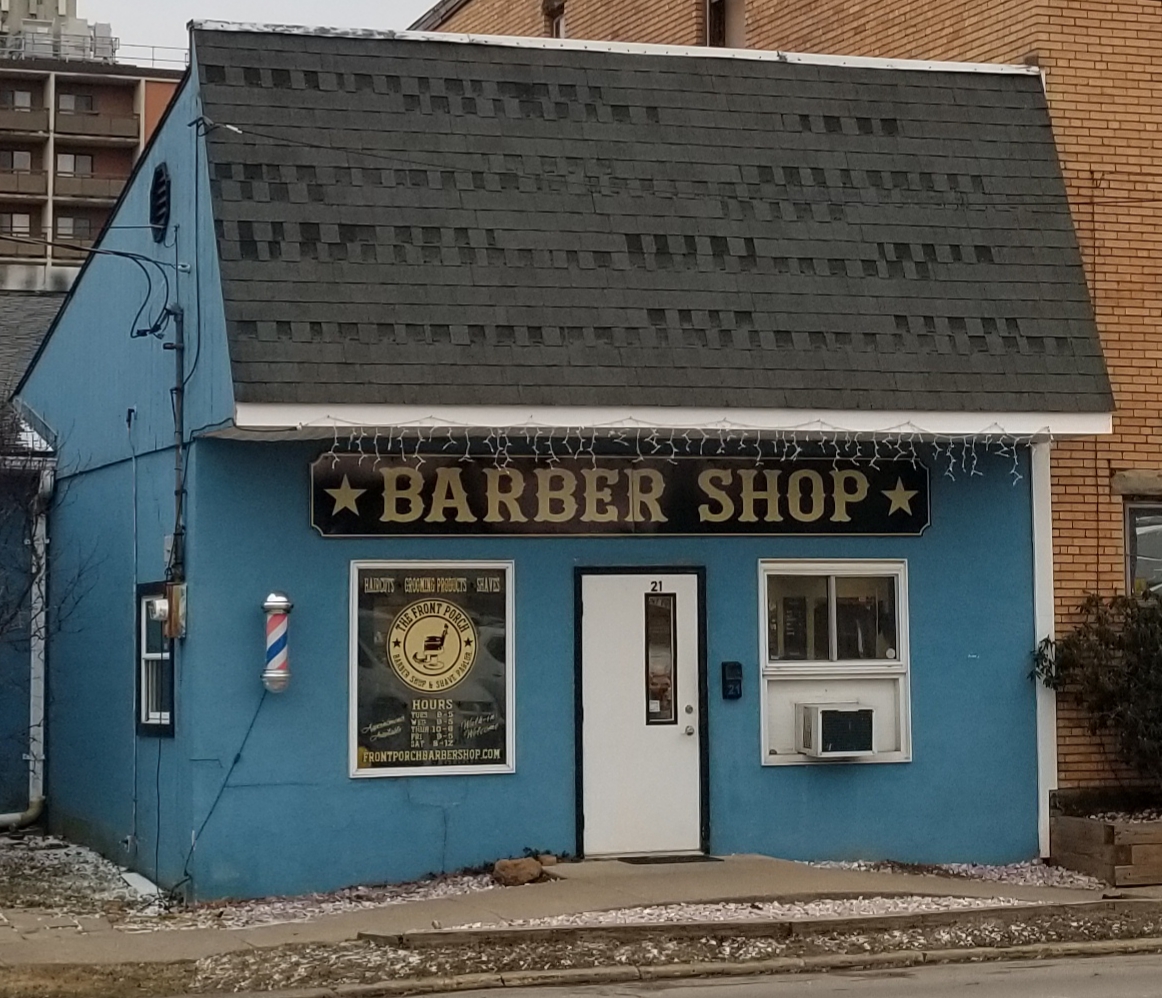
865, 618
1144, 549
661, 659
797, 618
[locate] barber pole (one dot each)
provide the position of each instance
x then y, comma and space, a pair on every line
276, 675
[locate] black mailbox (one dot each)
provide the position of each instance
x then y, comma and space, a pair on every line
731, 680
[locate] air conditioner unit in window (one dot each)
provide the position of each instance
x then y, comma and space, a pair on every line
834, 730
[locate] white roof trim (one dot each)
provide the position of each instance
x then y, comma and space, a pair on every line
627, 48
289, 421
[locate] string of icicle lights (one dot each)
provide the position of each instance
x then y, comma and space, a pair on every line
952, 456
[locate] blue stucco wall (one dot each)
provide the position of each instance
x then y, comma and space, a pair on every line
291, 820
103, 781
14, 676
91, 371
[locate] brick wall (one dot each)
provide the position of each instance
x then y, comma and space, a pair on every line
1100, 59
672, 22
498, 17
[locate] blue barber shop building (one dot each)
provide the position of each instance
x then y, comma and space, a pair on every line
480, 444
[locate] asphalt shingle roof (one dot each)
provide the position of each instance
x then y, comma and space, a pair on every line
25, 318
413, 221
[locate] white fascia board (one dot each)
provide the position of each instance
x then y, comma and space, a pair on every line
307, 421
626, 48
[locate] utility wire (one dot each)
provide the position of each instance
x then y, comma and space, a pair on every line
158, 325
957, 198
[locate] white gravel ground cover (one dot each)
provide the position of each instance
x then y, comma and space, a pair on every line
271, 911
663, 914
1129, 817
49, 874
1032, 874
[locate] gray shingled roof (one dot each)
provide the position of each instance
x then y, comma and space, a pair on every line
412, 221
25, 317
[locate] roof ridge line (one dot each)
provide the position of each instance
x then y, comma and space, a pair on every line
628, 48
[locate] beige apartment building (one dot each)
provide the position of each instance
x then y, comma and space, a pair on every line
1100, 64
73, 121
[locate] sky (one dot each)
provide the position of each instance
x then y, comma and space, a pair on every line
163, 22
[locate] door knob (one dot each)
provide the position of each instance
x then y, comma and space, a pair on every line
689, 729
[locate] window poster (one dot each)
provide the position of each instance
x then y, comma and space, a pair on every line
432, 674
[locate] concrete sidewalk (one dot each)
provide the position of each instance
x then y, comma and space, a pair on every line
28, 937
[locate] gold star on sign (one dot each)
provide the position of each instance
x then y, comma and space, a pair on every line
900, 497
345, 497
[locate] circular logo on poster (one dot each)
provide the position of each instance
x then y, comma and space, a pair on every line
431, 645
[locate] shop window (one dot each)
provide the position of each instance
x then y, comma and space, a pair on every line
16, 160
726, 23
75, 103
835, 633
431, 680
555, 19
70, 164
1144, 548
154, 665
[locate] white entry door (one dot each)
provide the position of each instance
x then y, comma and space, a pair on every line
640, 714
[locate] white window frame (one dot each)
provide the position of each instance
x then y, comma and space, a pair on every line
509, 766
897, 670
149, 665
1133, 506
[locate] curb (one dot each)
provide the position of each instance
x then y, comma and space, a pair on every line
753, 968
745, 928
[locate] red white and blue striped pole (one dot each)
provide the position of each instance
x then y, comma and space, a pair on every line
276, 675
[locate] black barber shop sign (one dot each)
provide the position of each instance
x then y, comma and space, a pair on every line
357, 495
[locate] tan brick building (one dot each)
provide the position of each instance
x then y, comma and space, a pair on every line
1100, 61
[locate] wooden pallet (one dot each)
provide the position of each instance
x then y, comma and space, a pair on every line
1124, 855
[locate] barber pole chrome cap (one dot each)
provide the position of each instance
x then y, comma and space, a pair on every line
276, 675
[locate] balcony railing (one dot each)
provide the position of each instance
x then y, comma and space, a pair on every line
33, 44
31, 120
71, 247
23, 182
101, 125
103, 187
22, 244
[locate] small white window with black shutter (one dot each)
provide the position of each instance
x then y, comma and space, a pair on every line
154, 665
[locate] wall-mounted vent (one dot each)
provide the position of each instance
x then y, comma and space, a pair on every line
160, 202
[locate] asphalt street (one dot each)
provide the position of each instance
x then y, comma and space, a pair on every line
1114, 977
